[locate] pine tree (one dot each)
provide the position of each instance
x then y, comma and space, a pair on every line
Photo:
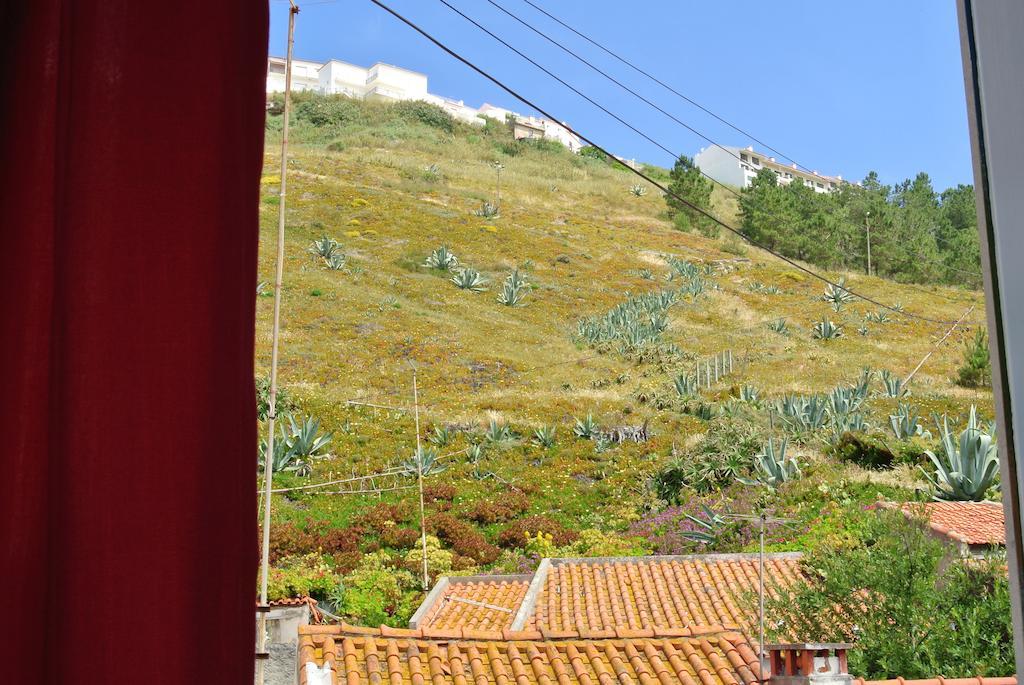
688, 183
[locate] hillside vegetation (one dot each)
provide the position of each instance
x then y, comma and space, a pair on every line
617, 310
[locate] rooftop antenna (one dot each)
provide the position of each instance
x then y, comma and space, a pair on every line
762, 519
268, 457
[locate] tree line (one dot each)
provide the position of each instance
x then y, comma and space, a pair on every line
916, 233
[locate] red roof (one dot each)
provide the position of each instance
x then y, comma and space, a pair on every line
972, 523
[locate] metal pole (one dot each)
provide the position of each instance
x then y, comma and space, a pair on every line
867, 227
760, 601
268, 458
419, 475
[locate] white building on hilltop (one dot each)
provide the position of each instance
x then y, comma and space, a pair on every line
738, 166
391, 83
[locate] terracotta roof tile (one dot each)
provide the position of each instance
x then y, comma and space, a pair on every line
972, 523
713, 658
644, 593
481, 604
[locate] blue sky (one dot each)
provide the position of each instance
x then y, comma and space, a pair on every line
842, 87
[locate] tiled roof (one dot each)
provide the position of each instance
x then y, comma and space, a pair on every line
368, 656
972, 523
480, 604
596, 596
664, 592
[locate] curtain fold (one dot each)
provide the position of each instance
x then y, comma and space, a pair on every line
132, 145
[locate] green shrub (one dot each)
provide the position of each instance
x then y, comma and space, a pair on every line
596, 543
308, 575
891, 587
328, 110
867, 451
976, 370
725, 454
425, 113
376, 592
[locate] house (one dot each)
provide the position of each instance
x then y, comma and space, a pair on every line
390, 83
305, 74
329, 655
597, 596
527, 128
976, 528
656, 620
738, 166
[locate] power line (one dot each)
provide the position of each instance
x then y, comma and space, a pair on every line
664, 85
621, 85
663, 111
526, 101
583, 95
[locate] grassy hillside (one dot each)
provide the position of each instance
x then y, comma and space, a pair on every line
585, 244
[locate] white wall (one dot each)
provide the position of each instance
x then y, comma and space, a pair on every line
304, 75
344, 78
721, 166
386, 81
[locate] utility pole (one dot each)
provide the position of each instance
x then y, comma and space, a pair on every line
419, 477
498, 166
867, 228
268, 457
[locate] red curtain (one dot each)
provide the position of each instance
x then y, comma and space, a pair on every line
132, 145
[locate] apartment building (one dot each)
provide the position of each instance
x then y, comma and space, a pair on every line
305, 74
737, 166
390, 83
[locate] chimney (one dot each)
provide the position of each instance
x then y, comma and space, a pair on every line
808, 664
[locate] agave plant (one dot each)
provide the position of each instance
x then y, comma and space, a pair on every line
423, 462
863, 329
877, 317
906, 423
441, 437
475, 453
324, 247
893, 385
297, 447
836, 294
337, 261
585, 428
469, 279
802, 413
968, 467
544, 436
749, 393
487, 211
685, 385
443, 259
710, 526
826, 330
705, 411
498, 433
772, 468
842, 401
638, 190
779, 326
261, 288
513, 290
758, 287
